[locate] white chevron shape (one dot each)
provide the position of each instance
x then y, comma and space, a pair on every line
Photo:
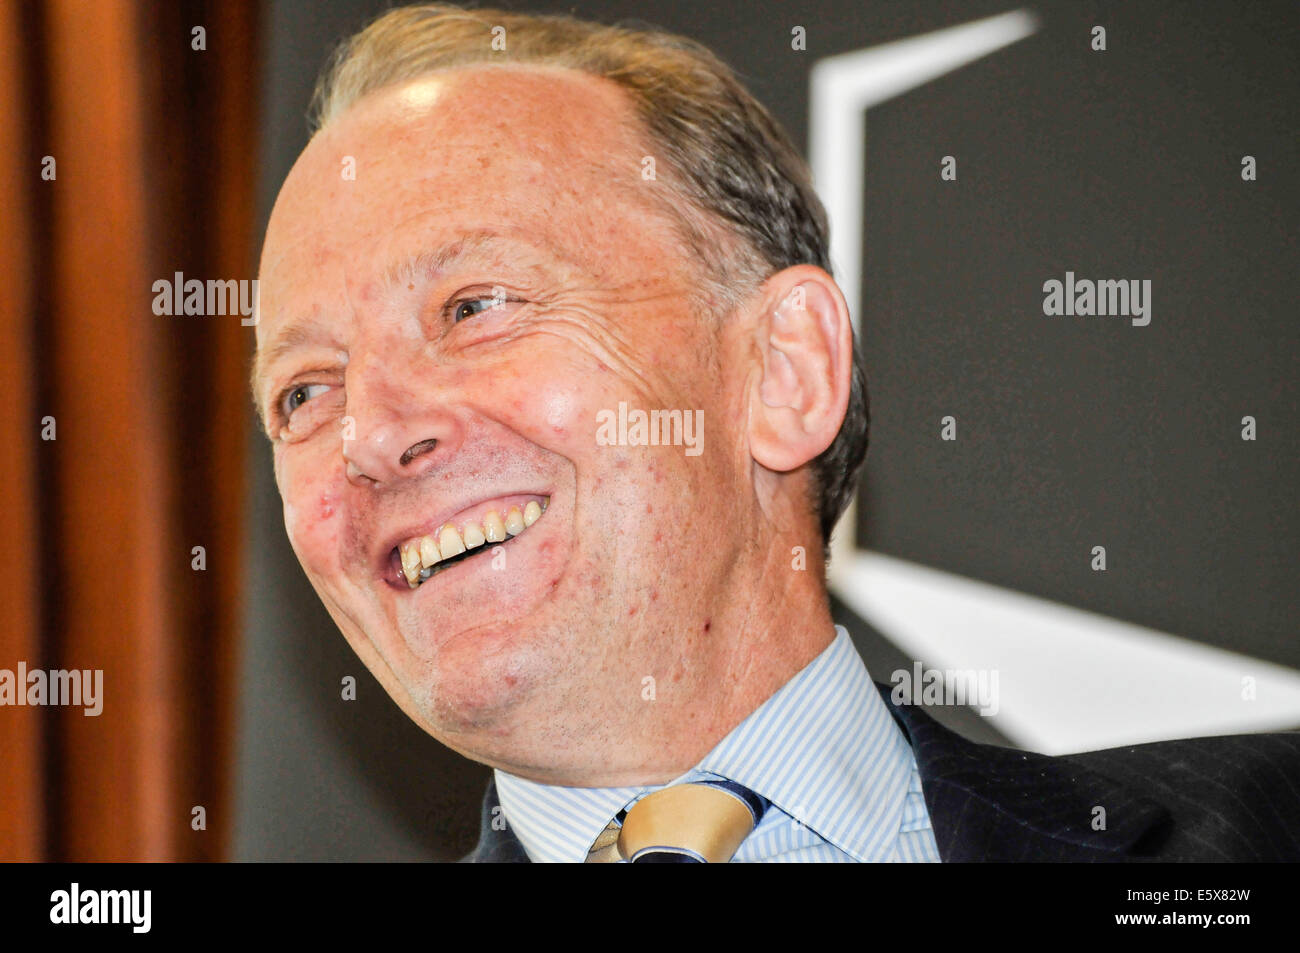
1069, 680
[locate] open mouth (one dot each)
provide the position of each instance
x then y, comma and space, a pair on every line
420, 558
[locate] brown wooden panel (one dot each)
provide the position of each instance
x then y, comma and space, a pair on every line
155, 174
202, 150
21, 787
113, 795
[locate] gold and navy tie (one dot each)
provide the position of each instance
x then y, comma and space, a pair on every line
696, 823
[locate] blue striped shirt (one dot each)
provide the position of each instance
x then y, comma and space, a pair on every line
824, 750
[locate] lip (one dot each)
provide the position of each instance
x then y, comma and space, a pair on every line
500, 502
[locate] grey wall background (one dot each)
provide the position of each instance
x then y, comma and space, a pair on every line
1123, 164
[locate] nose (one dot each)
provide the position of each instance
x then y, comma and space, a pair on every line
401, 424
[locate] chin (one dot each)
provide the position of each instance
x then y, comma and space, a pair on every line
479, 677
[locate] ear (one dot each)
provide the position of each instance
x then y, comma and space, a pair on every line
805, 336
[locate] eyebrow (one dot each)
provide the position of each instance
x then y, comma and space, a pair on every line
287, 339
480, 243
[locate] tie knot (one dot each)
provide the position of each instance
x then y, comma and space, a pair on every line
698, 822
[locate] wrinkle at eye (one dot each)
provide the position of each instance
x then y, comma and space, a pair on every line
608, 349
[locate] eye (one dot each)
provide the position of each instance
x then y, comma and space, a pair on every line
297, 396
468, 307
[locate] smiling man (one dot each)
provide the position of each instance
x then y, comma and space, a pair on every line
507, 232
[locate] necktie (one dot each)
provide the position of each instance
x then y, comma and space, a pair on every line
696, 823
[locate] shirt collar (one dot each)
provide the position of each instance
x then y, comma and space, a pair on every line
824, 749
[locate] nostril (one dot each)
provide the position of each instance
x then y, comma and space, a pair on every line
417, 449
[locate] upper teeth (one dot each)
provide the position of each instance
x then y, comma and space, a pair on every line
418, 555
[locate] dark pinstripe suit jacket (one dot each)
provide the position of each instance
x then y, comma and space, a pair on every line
1207, 799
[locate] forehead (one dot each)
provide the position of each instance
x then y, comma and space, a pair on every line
540, 150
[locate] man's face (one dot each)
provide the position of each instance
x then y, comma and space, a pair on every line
460, 275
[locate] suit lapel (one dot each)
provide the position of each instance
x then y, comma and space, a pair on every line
988, 803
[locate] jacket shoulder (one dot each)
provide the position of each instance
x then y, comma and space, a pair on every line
1230, 798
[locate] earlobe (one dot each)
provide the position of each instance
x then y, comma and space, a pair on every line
801, 397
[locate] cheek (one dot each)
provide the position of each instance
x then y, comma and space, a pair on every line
311, 504
555, 405
560, 411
